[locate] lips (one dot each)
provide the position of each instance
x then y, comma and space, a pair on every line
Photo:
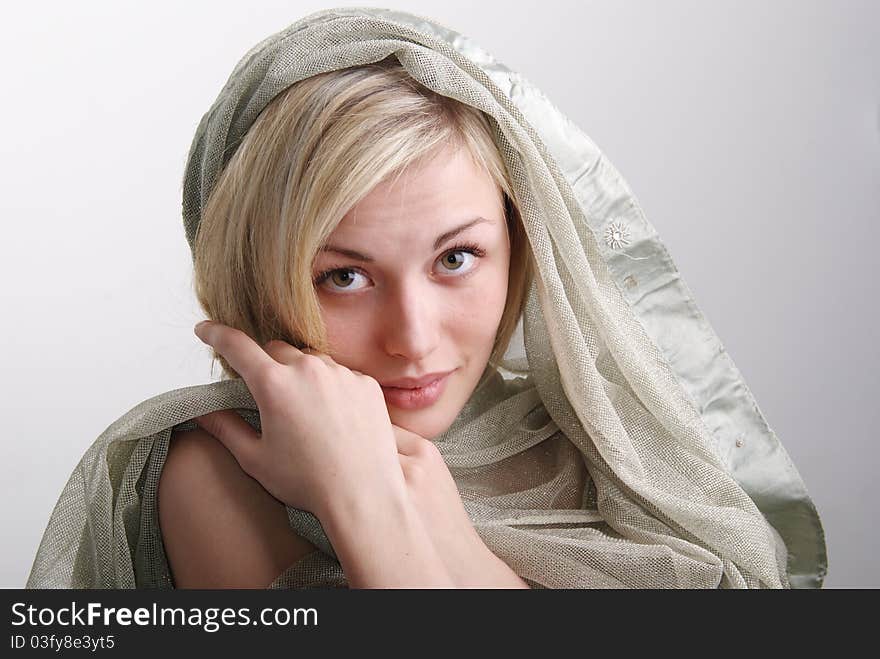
415, 383
419, 397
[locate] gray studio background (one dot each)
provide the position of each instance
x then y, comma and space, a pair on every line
749, 132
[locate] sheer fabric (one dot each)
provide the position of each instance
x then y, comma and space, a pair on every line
625, 451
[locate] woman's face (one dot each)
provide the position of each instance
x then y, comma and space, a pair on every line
419, 300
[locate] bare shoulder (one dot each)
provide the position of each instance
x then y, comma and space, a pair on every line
220, 528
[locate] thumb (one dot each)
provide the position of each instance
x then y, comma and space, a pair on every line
233, 432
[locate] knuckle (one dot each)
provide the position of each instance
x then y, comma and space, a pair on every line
371, 384
427, 450
268, 375
269, 381
414, 472
231, 335
312, 364
312, 372
274, 344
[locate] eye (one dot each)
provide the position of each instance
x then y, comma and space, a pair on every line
342, 278
339, 276
451, 261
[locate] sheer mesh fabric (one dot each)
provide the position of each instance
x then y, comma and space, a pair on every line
629, 452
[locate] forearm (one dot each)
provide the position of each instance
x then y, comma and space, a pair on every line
384, 545
475, 566
499, 575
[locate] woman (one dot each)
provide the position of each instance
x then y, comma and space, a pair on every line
427, 190
621, 459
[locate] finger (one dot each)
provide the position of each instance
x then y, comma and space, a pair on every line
282, 352
407, 442
240, 350
234, 433
324, 357
285, 353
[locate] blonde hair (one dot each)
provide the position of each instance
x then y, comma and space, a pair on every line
317, 149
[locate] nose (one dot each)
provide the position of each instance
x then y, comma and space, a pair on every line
412, 322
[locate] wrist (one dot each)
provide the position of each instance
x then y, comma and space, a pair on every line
479, 567
346, 506
380, 542
369, 509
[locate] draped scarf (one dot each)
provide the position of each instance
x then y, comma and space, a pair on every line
620, 448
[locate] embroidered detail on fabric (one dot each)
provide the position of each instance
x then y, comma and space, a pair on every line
616, 235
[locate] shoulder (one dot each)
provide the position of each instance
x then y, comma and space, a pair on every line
220, 528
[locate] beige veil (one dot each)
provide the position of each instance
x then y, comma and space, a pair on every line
627, 451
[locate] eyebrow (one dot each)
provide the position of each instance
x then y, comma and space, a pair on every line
441, 239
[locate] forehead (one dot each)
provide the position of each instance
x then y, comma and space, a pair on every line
438, 193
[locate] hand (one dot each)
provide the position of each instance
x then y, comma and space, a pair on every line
433, 492
326, 433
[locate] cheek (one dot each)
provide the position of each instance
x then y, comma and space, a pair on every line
345, 346
482, 305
